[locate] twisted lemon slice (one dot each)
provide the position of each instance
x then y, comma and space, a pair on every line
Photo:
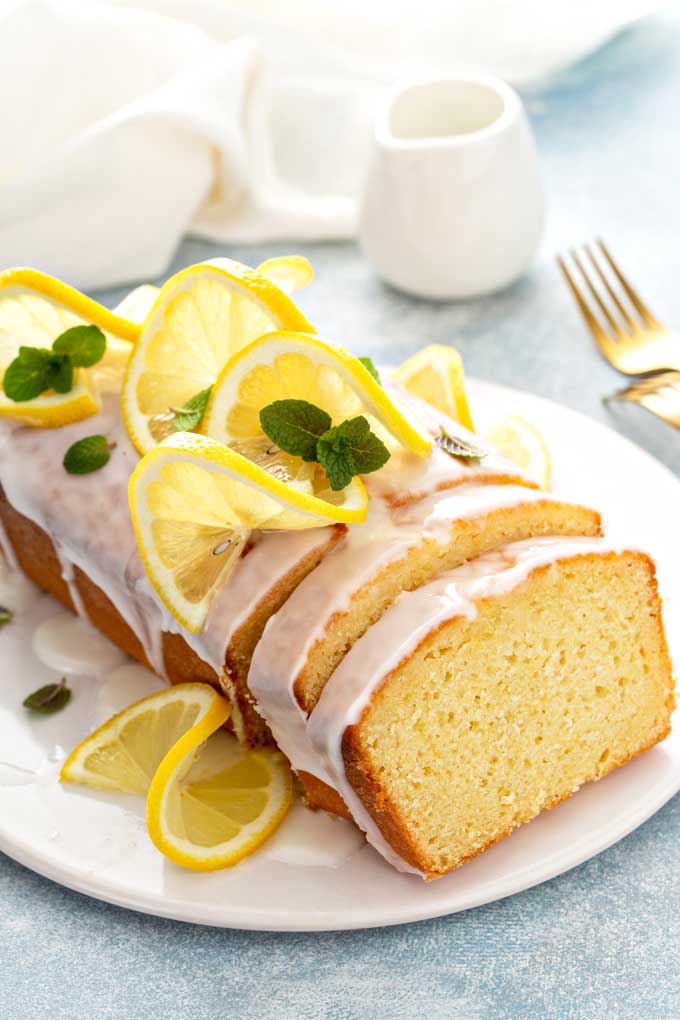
194, 503
521, 443
124, 754
201, 317
209, 802
34, 309
212, 811
288, 365
435, 374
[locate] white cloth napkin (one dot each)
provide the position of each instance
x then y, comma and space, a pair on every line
125, 125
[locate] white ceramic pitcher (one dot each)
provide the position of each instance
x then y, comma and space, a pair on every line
453, 205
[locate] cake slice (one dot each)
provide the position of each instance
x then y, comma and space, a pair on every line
72, 535
487, 696
395, 550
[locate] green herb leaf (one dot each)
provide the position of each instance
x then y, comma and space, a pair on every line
5, 616
295, 426
88, 454
60, 373
85, 346
189, 415
350, 449
370, 367
49, 699
335, 455
455, 446
28, 375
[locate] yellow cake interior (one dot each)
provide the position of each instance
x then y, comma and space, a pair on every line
494, 719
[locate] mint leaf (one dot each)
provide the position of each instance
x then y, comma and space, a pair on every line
27, 376
36, 369
295, 426
60, 373
88, 454
49, 699
85, 346
335, 456
189, 415
370, 367
350, 449
456, 446
5, 616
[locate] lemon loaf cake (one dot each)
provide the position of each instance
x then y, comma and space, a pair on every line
483, 698
72, 535
395, 549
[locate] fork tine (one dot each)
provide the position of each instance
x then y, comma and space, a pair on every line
639, 306
599, 336
603, 308
598, 269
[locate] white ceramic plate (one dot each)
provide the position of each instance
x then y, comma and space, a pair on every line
316, 874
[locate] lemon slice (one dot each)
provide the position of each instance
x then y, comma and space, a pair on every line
288, 272
435, 374
201, 317
136, 305
194, 503
212, 812
286, 365
124, 754
34, 309
524, 445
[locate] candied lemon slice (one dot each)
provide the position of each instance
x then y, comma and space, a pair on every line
289, 365
524, 445
212, 811
124, 754
201, 317
194, 503
34, 309
435, 374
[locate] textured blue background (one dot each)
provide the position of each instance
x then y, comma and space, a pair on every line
600, 942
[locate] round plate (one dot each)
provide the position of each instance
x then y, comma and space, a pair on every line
315, 874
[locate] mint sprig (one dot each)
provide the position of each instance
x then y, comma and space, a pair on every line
350, 449
87, 455
304, 430
189, 415
48, 699
295, 426
37, 369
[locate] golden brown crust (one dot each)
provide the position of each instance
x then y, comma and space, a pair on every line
243, 642
531, 520
37, 558
386, 814
319, 796
409, 496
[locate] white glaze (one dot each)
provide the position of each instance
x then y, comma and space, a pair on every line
407, 478
384, 538
6, 548
316, 746
88, 520
313, 839
70, 645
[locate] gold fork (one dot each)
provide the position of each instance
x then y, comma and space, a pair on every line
632, 339
660, 394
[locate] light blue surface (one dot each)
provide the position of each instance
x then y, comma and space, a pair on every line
600, 942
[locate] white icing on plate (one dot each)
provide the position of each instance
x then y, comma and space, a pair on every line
98, 843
